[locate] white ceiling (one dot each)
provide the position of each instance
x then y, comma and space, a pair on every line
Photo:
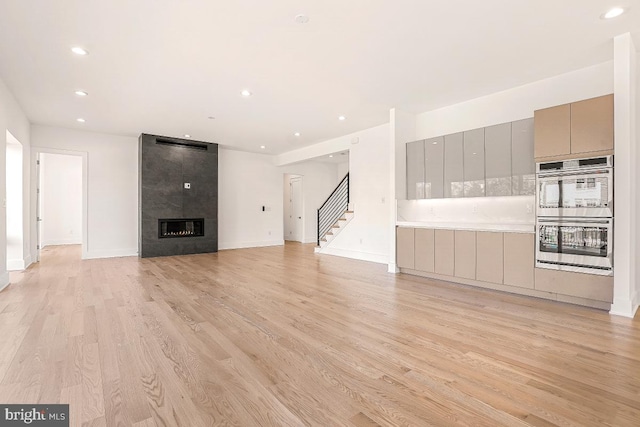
164, 66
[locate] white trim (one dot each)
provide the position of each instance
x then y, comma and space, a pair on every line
624, 307
35, 150
363, 256
4, 280
393, 268
72, 241
243, 245
110, 253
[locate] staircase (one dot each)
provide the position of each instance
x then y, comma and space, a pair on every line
334, 214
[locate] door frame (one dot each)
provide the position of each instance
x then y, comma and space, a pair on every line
300, 236
35, 196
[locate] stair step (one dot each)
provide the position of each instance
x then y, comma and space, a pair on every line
348, 211
342, 219
329, 234
336, 226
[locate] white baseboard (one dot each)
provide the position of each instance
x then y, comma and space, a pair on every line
242, 245
58, 242
393, 268
363, 256
110, 253
27, 261
4, 280
624, 307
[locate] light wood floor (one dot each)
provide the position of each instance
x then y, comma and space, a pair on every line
281, 336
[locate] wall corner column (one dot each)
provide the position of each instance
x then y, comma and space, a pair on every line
626, 179
402, 129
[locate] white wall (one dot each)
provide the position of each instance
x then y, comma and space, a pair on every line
343, 169
13, 119
61, 199
14, 205
319, 179
366, 237
246, 182
112, 175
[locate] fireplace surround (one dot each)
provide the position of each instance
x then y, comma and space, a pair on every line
178, 196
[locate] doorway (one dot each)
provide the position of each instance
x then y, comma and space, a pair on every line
60, 199
14, 204
293, 209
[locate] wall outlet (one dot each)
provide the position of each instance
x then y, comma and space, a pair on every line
187, 185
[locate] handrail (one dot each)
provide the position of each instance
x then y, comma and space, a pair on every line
333, 208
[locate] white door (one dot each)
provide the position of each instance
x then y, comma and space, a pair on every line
38, 210
295, 217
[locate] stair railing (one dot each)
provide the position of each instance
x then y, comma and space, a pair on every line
333, 208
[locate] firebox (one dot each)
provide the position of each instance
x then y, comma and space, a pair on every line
169, 228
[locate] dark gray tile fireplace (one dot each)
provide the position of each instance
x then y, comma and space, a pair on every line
178, 196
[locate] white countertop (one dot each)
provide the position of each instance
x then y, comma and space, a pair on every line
513, 227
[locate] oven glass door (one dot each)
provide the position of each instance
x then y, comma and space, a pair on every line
578, 244
586, 194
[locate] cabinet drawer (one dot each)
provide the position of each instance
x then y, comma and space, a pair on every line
590, 286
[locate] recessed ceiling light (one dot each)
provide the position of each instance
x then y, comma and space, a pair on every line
263, 146
613, 13
301, 19
296, 134
475, 154
81, 93
186, 135
330, 155
342, 118
245, 93
79, 50
435, 142
80, 120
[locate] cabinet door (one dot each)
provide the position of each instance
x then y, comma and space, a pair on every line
474, 179
519, 259
444, 252
405, 247
592, 125
490, 257
201, 172
523, 164
453, 165
497, 159
434, 168
553, 131
465, 254
415, 170
425, 249
589, 286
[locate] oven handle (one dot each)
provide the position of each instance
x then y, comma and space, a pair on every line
573, 222
606, 171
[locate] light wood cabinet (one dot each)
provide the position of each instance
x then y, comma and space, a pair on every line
553, 131
577, 130
589, 286
592, 125
425, 249
465, 254
490, 257
444, 252
405, 248
519, 259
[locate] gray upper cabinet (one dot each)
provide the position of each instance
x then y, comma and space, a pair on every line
523, 165
497, 146
494, 161
415, 170
474, 179
434, 168
453, 165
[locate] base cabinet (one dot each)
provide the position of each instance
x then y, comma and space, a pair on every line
503, 261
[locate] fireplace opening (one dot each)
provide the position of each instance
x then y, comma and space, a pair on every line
180, 227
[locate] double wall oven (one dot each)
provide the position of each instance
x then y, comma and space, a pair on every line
575, 215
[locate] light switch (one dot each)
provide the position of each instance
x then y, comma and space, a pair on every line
187, 185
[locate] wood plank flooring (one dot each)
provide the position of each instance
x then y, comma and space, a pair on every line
280, 336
